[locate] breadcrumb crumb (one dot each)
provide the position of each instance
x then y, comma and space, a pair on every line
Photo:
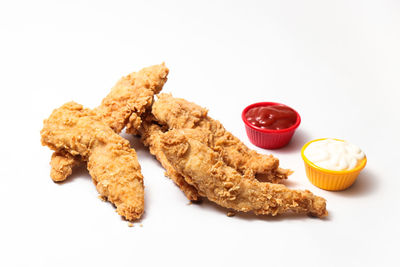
230, 214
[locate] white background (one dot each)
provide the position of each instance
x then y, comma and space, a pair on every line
337, 63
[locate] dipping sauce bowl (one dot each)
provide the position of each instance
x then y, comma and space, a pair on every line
270, 125
326, 170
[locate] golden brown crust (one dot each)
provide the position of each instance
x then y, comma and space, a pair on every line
179, 113
112, 163
131, 96
207, 172
61, 165
150, 137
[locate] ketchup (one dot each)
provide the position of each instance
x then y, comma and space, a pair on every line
274, 117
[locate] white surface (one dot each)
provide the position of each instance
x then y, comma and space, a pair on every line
337, 63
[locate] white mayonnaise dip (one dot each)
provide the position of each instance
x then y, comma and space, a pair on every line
334, 155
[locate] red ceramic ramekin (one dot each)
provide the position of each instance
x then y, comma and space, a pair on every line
266, 138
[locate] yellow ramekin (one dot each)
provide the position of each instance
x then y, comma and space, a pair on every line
328, 179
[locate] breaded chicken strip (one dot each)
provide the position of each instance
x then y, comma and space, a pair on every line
125, 104
61, 164
207, 172
111, 162
131, 97
150, 136
178, 113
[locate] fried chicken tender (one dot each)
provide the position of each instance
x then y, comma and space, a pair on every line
204, 169
178, 113
111, 162
150, 137
125, 104
131, 97
61, 164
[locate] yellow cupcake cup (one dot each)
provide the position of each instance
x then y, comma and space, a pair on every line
328, 179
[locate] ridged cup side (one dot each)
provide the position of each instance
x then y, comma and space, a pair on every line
269, 140
328, 181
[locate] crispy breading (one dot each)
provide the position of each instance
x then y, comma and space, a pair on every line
150, 137
61, 164
178, 113
111, 162
204, 169
131, 96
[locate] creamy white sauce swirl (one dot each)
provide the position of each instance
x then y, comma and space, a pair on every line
333, 154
